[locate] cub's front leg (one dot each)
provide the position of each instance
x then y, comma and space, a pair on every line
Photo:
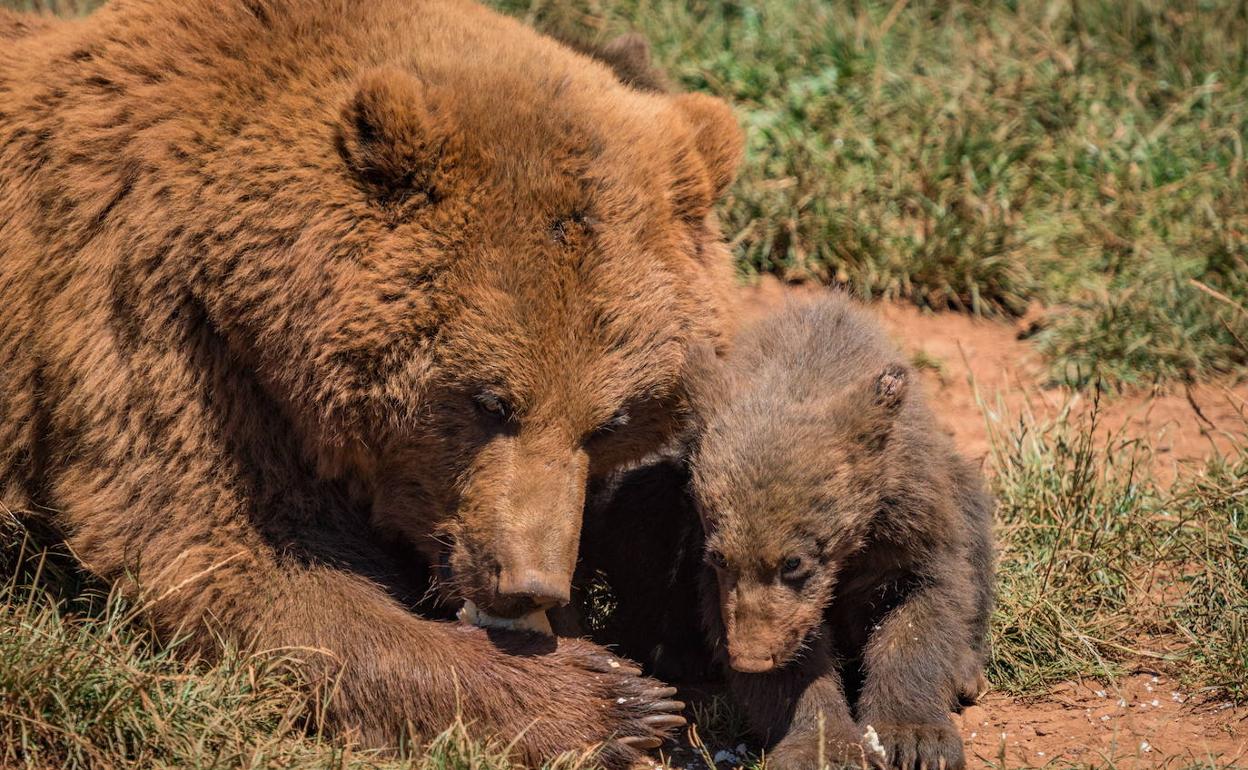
914, 670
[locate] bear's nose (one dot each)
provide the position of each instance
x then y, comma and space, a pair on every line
543, 589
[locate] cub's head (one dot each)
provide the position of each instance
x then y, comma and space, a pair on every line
787, 487
495, 268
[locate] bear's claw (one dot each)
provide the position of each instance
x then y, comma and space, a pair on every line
641, 742
667, 705
665, 721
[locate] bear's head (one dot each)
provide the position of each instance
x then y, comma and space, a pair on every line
476, 288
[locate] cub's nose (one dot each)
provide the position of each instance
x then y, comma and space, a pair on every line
543, 589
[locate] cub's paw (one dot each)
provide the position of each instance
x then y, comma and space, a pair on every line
920, 746
972, 687
840, 750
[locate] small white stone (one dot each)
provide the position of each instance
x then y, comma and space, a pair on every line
1100, 693
1155, 702
1122, 703
1105, 718
613, 663
1144, 747
621, 701
974, 734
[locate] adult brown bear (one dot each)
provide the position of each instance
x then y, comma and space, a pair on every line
282, 275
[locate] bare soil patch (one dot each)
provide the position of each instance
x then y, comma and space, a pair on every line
1141, 721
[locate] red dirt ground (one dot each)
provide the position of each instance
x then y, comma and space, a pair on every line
986, 376
1141, 721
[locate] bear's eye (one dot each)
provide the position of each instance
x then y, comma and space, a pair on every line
717, 560
493, 407
793, 568
618, 420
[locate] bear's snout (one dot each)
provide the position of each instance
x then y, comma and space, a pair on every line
540, 588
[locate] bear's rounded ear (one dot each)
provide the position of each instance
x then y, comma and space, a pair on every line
392, 134
716, 136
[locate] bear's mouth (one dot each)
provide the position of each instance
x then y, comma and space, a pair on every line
510, 606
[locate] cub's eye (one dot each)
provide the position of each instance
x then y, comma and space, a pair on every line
493, 407
793, 568
716, 560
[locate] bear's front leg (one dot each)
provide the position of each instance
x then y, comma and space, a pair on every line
913, 663
802, 710
301, 580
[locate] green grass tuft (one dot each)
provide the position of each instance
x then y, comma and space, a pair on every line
1102, 567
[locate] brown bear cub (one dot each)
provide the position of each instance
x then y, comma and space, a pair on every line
847, 563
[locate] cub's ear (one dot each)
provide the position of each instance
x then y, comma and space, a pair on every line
717, 137
393, 134
890, 388
877, 405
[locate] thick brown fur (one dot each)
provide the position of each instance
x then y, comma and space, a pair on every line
14, 25
313, 306
848, 559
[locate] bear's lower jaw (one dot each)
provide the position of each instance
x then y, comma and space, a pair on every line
535, 621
